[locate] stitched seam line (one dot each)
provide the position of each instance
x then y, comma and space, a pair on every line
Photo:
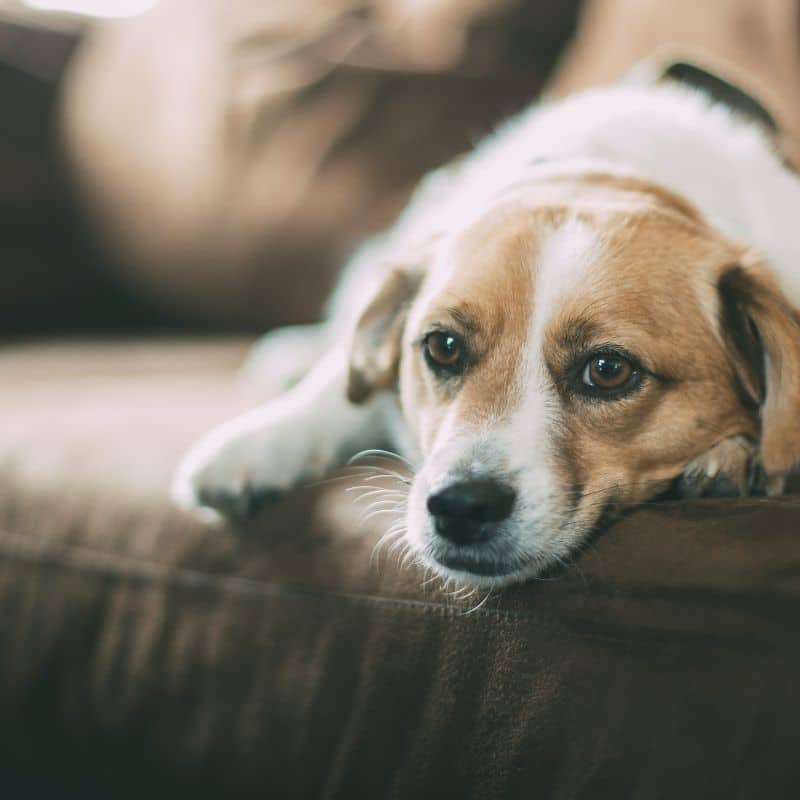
82, 558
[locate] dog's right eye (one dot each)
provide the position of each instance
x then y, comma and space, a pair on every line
607, 372
444, 352
607, 375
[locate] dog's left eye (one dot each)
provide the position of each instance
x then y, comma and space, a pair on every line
608, 374
444, 351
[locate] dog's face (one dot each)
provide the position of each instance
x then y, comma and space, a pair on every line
566, 355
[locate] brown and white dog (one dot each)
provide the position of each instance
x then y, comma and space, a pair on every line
597, 304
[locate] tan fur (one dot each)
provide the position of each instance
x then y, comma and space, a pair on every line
629, 450
655, 246
491, 285
732, 457
375, 349
778, 326
654, 292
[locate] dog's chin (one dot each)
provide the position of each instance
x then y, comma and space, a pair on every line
476, 570
497, 565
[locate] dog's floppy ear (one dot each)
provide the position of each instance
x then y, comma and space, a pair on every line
762, 331
375, 349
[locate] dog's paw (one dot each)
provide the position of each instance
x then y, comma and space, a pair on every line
243, 466
729, 469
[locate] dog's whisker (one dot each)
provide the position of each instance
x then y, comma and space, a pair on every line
377, 468
373, 469
353, 467
381, 511
612, 486
364, 473
384, 497
392, 548
396, 545
361, 488
383, 477
455, 592
390, 475
568, 565
373, 492
480, 604
382, 543
465, 592
388, 536
329, 480
380, 500
408, 559
377, 452
368, 477
398, 527
400, 552
393, 476
360, 469
378, 512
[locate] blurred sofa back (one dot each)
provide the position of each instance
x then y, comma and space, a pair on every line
210, 165
231, 153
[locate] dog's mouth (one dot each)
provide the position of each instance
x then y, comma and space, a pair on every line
476, 562
511, 557
485, 568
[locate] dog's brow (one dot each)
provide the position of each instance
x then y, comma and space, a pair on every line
575, 334
465, 319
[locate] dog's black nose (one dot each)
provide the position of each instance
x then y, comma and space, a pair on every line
465, 512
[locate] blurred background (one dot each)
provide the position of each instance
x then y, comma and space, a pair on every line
208, 164
177, 165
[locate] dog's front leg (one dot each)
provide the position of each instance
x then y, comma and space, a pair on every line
241, 465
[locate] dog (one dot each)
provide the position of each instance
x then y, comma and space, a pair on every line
596, 306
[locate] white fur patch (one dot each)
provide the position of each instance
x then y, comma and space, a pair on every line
567, 253
672, 135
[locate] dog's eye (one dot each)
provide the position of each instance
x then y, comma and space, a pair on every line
608, 372
444, 351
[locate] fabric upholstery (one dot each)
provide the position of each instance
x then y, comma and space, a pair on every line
143, 654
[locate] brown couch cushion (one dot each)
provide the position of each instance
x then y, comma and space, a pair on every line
142, 654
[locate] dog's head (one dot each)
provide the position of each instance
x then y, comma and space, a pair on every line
573, 351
